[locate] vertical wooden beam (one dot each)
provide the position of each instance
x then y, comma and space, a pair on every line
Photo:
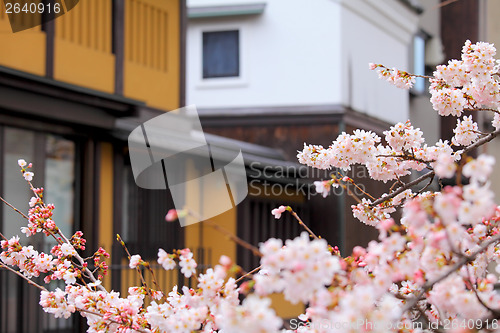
182, 49
96, 194
2, 190
87, 201
106, 200
116, 256
118, 32
48, 26
459, 22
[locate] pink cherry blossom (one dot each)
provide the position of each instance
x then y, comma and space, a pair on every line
135, 260
278, 211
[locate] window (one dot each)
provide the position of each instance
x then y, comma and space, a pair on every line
419, 63
221, 56
256, 225
54, 159
144, 229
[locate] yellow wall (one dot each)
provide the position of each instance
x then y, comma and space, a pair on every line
82, 53
24, 50
152, 38
106, 236
83, 49
201, 234
283, 308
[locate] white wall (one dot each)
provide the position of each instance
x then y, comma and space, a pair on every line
288, 57
378, 32
422, 114
311, 52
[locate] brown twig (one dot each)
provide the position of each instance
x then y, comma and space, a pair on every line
226, 232
303, 224
143, 281
248, 274
359, 188
403, 188
445, 3
24, 277
483, 109
407, 158
234, 238
155, 282
14, 208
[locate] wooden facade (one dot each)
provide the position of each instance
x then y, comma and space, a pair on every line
65, 84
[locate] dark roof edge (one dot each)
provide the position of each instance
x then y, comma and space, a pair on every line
413, 7
116, 104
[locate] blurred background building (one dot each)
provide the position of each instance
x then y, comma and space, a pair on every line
278, 73
63, 86
266, 76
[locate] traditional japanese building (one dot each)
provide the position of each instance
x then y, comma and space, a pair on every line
63, 86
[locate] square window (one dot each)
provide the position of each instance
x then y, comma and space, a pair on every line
221, 54
419, 63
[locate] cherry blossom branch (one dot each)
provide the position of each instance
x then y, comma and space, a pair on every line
350, 180
248, 274
302, 223
403, 188
14, 208
143, 281
445, 3
24, 277
482, 109
482, 141
414, 182
465, 259
111, 320
88, 274
407, 158
78, 309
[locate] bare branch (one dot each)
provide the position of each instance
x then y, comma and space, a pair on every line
404, 188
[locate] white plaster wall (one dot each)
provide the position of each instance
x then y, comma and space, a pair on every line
422, 114
289, 56
380, 33
314, 52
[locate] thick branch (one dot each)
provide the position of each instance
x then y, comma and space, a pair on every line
22, 276
403, 188
111, 320
482, 141
14, 208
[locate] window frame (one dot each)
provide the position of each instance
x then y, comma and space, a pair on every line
231, 74
195, 48
425, 38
